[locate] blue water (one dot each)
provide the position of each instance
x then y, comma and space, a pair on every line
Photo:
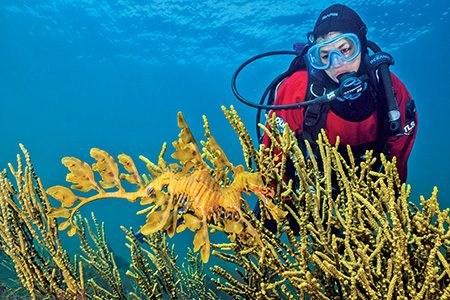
114, 74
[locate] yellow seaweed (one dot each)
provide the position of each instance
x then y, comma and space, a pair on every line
363, 240
197, 191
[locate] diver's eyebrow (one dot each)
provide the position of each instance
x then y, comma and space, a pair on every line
344, 43
340, 45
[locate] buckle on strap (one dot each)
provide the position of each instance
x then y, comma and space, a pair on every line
312, 114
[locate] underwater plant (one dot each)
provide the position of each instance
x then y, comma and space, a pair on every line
29, 236
191, 194
359, 237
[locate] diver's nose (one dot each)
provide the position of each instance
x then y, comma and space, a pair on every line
336, 60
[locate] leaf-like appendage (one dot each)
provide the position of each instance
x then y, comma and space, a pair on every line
83, 176
59, 212
192, 222
63, 195
151, 167
64, 225
129, 165
186, 147
185, 134
107, 167
162, 164
185, 153
72, 231
205, 252
201, 241
80, 174
234, 226
216, 155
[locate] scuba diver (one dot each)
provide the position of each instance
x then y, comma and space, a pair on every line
335, 84
338, 48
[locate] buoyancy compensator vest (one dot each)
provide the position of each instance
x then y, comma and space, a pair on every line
371, 85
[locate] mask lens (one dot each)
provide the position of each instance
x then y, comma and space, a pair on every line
344, 47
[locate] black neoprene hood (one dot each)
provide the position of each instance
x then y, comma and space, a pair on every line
340, 18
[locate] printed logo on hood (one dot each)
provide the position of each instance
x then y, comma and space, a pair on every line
333, 14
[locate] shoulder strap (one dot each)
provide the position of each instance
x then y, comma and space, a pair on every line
315, 118
315, 115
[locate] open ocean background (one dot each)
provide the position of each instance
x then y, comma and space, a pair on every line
113, 75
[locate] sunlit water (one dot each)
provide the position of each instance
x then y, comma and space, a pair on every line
114, 74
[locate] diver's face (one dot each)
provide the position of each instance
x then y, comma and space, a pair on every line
344, 66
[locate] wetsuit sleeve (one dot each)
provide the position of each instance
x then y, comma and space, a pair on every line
291, 90
401, 147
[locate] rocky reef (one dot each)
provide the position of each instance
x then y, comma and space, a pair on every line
341, 230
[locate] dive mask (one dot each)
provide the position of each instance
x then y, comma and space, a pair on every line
334, 52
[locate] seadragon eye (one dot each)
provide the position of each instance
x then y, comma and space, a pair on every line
150, 190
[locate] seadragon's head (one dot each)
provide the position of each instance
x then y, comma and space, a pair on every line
244, 181
253, 182
158, 187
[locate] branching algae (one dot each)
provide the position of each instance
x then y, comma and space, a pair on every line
192, 192
359, 237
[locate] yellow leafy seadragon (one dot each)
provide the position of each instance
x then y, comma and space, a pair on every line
191, 195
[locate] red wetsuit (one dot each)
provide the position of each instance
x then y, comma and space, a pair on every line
293, 90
